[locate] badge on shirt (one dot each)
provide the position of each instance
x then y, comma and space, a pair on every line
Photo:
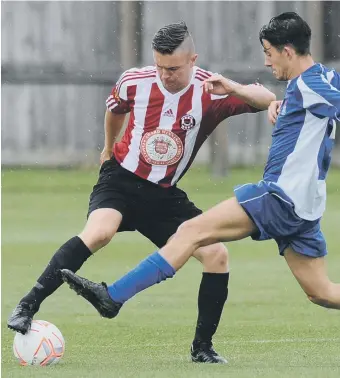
161, 147
187, 122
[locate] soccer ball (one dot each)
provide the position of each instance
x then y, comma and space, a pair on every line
43, 345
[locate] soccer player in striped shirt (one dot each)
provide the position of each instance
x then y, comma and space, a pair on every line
170, 117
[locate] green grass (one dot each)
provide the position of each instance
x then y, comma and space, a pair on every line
269, 328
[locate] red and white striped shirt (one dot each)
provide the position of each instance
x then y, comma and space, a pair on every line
165, 130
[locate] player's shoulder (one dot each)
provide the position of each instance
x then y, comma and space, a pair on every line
201, 74
331, 76
140, 70
319, 78
136, 74
315, 84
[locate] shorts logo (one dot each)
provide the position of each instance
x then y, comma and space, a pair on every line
161, 147
187, 122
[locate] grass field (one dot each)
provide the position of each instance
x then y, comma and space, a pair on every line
269, 328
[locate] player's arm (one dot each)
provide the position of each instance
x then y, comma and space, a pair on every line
117, 106
254, 95
112, 126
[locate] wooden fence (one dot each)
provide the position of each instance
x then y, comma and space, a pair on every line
60, 60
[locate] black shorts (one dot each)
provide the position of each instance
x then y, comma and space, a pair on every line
154, 211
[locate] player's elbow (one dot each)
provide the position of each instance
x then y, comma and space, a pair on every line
271, 97
268, 98
261, 97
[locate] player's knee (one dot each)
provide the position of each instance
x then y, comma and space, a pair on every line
313, 299
190, 230
186, 228
317, 299
215, 255
96, 239
321, 297
221, 254
103, 238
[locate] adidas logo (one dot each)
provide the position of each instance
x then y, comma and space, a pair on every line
168, 113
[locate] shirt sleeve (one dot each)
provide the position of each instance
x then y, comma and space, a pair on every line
227, 106
334, 79
321, 95
118, 101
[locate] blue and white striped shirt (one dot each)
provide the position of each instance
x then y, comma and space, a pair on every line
303, 138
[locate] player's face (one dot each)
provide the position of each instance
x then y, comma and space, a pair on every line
277, 60
175, 70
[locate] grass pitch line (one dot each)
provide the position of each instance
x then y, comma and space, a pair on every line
278, 341
282, 341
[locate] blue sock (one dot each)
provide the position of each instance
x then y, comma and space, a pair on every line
150, 271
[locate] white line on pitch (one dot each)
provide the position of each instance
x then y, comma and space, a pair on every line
236, 342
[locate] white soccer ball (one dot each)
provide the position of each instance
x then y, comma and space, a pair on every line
43, 345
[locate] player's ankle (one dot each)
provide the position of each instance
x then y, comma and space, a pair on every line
197, 343
30, 304
31, 301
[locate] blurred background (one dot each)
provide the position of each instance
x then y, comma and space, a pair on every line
61, 59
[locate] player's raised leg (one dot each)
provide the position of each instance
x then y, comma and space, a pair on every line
311, 273
224, 222
102, 224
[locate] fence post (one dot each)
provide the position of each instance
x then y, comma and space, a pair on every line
129, 41
314, 17
218, 143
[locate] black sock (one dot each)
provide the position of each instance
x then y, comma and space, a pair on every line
70, 255
212, 295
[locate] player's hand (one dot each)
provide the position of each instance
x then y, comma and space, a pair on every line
105, 155
273, 111
220, 85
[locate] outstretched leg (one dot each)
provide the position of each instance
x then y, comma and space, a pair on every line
224, 222
100, 228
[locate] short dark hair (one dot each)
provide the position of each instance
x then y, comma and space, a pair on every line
287, 29
169, 37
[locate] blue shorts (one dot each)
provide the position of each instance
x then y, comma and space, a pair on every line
273, 213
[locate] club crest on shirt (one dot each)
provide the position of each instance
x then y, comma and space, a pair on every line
187, 122
161, 147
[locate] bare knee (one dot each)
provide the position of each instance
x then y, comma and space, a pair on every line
311, 273
328, 297
100, 228
192, 232
320, 299
213, 257
315, 299
102, 237
96, 239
